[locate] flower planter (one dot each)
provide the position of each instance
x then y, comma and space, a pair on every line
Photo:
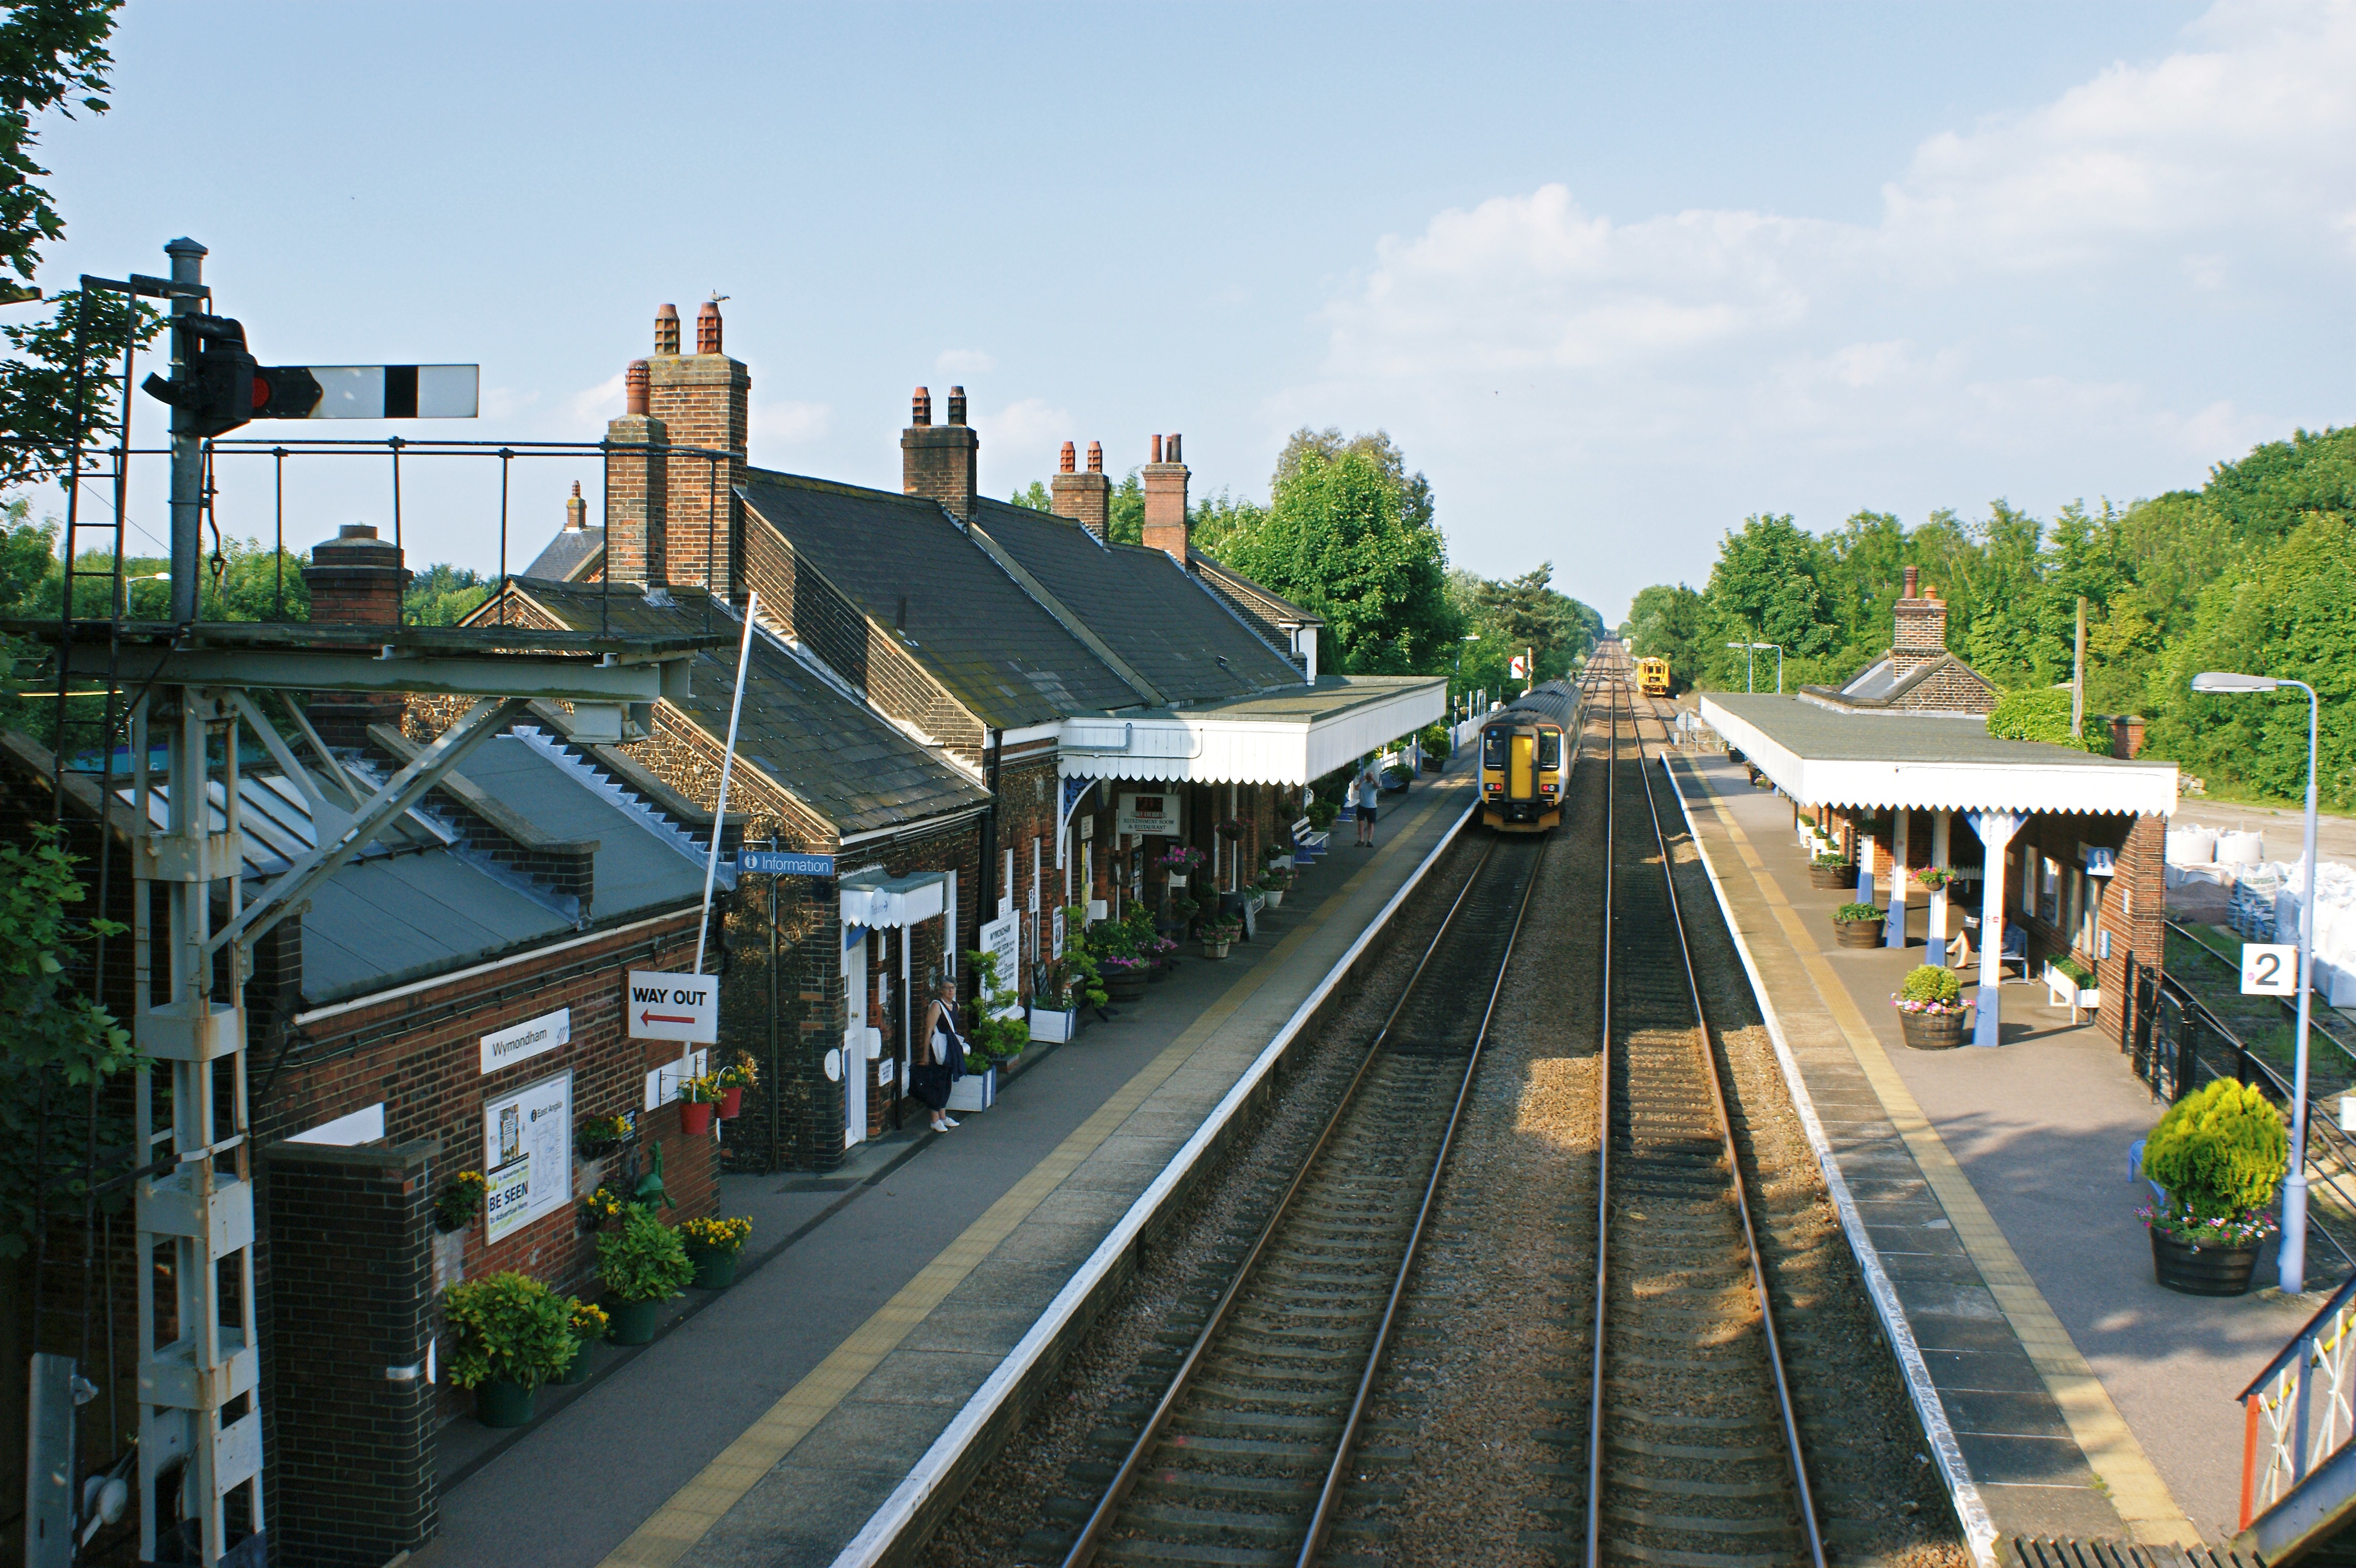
1832, 878
715, 1267
1214, 950
2180, 1266
635, 1321
1275, 897
1857, 933
695, 1117
1128, 987
577, 1369
731, 1103
975, 1091
1933, 1031
498, 1404
1050, 1027
1157, 974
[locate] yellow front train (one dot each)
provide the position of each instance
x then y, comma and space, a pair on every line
1653, 677
1527, 750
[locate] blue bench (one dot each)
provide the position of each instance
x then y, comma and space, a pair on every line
1308, 843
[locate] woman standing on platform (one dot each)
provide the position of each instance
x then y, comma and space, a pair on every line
929, 1079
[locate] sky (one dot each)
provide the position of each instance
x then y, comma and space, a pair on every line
1614, 277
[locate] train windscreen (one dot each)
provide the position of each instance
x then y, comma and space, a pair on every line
1549, 748
1493, 741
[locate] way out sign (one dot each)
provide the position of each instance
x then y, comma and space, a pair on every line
665, 1006
2269, 969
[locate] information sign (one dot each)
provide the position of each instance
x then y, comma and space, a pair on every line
523, 1041
1137, 815
528, 1130
507, 1204
1001, 941
784, 862
2269, 969
667, 1007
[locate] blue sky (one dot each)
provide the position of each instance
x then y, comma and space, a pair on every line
1614, 277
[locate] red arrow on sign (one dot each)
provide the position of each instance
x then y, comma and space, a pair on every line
663, 1018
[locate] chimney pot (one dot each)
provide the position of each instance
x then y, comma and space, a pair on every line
667, 329
1157, 448
707, 328
956, 405
577, 511
634, 383
1095, 456
1910, 581
920, 407
1071, 460
1166, 527
356, 531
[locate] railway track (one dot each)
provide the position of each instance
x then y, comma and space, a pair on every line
1246, 1457
1694, 1445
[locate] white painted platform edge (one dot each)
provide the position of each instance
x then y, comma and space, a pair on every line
1980, 1529
884, 1525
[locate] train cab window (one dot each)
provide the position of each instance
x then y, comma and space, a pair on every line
1549, 748
1494, 740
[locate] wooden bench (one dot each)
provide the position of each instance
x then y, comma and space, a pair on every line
1308, 843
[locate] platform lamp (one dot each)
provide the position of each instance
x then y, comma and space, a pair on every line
1750, 648
2218, 682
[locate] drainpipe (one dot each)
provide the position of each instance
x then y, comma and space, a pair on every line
994, 749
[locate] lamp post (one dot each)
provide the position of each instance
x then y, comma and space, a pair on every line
1749, 647
1746, 648
2218, 682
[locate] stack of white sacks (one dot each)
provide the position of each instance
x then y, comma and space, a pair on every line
2335, 923
2266, 895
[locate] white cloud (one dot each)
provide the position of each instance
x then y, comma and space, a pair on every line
2007, 322
964, 362
791, 424
597, 405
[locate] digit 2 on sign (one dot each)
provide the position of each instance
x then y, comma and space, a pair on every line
2269, 969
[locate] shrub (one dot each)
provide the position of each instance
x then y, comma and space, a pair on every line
2043, 713
1829, 859
644, 1261
1322, 813
2219, 1153
1849, 912
590, 1321
1930, 985
996, 1038
508, 1328
719, 1235
2078, 972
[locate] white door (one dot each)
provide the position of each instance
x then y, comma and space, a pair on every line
854, 1045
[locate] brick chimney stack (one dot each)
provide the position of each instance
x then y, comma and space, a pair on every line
577, 511
1165, 500
702, 400
941, 462
638, 479
1921, 633
1084, 498
355, 579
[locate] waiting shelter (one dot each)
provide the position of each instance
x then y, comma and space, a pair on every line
2064, 847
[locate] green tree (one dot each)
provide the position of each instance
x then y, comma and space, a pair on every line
1767, 587
52, 56
1671, 623
1511, 613
1035, 496
443, 595
1125, 510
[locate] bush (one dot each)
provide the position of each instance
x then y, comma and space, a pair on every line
1929, 982
644, 1261
508, 1327
2219, 1151
591, 1322
1830, 860
2078, 972
2043, 713
1847, 912
1322, 813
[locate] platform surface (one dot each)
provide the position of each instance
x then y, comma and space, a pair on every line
2086, 1399
772, 1418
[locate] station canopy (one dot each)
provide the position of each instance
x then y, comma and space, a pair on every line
1293, 734
1925, 761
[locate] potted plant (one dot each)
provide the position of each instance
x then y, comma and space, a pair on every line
1218, 934
1932, 878
1831, 871
1435, 748
1273, 887
1322, 814
600, 1208
643, 1265
1182, 909
1396, 779
2071, 983
598, 1136
590, 1324
734, 1080
1125, 976
713, 1246
2219, 1154
1063, 985
509, 1335
699, 1098
1180, 861
1857, 926
1930, 1003
460, 1200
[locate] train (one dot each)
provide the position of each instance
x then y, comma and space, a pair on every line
1653, 677
1526, 747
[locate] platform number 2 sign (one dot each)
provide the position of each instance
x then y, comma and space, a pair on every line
2269, 969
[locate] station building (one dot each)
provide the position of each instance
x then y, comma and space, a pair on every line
2060, 849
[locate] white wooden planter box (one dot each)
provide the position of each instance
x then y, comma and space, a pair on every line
975, 1091
2065, 992
1053, 1028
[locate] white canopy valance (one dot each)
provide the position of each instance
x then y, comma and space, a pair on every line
1288, 737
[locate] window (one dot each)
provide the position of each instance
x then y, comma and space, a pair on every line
1495, 743
2048, 891
1549, 748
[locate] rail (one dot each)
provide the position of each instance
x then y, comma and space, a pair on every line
2278, 1419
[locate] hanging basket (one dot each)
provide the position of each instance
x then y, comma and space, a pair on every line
731, 1103
695, 1117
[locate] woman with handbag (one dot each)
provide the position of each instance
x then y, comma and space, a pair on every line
942, 1060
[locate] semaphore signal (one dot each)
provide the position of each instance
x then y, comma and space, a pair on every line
218, 386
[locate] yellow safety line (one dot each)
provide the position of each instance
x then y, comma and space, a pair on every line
2144, 1503
668, 1533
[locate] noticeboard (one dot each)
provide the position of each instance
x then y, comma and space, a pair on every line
1002, 940
1140, 814
526, 1130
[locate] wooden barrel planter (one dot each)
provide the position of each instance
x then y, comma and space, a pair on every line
1933, 1031
2180, 1266
1129, 987
1832, 878
1857, 933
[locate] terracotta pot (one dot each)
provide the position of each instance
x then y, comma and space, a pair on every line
2201, 1271
695, 1117
731, 1103
715, 1267
502, 1404
1933, 1031
1832, 878
633, 1321
1857, 933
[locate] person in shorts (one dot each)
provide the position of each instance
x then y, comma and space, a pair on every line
1368, 788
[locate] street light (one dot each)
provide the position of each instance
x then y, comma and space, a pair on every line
2219, 682
1459, 670
1747, 649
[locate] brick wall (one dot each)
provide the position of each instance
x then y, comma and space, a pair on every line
637, 501
2135, 911
703, 400
1955, 688
351, 1479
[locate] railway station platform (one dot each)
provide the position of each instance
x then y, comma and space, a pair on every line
887, 1313
2066, 1392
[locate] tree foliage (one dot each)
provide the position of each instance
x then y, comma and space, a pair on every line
1666, 622
53, 55
1507, 615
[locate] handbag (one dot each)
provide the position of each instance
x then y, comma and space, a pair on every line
929, 1082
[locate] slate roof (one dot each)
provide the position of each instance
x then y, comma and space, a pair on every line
1162, 621
1271, 613
1831, 736
854, 769
996, 648
571, 555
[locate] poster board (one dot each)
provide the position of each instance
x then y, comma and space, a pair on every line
528, 1154
1003, 941
1140, 814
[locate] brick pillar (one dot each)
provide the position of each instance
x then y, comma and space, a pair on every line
1165, 500
2134, 909
940, 461
703, 399
637, 501
348, 1294
356, 579
1084, 497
